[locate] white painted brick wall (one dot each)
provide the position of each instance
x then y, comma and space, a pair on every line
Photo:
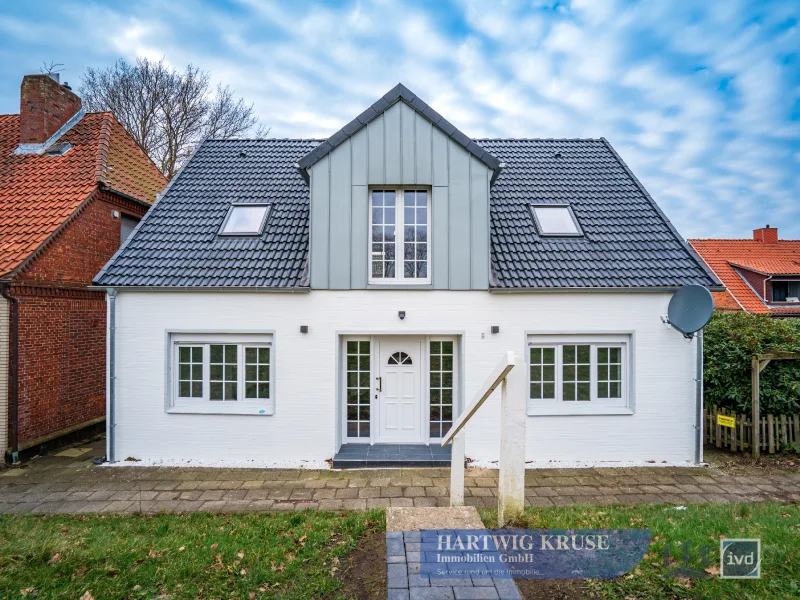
304, 423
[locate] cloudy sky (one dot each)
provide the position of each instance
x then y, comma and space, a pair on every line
702, 99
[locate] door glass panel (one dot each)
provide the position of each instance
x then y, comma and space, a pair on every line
441, 388
358, 389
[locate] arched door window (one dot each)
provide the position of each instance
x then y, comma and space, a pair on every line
399, 358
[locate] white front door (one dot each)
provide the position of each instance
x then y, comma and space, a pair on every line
399, 396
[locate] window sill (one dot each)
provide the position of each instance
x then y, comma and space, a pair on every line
568, 411
258, 410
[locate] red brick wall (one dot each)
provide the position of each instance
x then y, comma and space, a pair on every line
62, 359
756, 280
84, 247
44, 106
62, 325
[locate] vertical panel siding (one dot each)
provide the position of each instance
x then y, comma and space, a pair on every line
340, 203
358, 144
320, 223
400, 147
359, 241
459, 216
393, 154
479, 216
408, 145
5, 315
422, 145
440, 238
376, 151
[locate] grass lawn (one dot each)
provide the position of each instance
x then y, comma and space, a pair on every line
305, 555
778, 526
272, 555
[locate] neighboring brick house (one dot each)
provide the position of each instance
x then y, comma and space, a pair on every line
762, 275
72, 187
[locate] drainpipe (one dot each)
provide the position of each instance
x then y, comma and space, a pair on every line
13, 372
110, 420
698, 426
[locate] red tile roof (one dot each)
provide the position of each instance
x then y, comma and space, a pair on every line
38, 193
721, 256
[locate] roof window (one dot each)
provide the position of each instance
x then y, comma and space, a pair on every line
245, 219
556, 220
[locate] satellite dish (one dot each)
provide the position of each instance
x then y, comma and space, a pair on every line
690, 309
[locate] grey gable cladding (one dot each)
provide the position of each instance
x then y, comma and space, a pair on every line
396, 94
628, 243
176, 244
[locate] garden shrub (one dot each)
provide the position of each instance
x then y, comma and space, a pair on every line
730, 341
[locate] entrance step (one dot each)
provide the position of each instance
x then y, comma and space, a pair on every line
404, 556
359, 456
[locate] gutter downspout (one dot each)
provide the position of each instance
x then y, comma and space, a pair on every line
110, 421
698, 426
13, 374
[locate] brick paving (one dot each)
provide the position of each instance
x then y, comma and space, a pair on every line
405, 581
71, 483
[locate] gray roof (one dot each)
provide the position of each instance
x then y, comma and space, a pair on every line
627, 243
396, 94
176, 244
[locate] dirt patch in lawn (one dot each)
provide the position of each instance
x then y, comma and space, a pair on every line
735, 461
363, 571
553, 589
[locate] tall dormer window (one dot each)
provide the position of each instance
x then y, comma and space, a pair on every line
399, 250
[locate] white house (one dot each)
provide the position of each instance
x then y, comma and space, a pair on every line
297, 300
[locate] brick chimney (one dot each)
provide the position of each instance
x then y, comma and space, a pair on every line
44, 106
766, 235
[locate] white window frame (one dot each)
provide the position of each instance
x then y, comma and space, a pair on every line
229, 214
543, 233
204, 405
595, 405
399, 267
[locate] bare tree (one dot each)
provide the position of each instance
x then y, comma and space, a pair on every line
168, 112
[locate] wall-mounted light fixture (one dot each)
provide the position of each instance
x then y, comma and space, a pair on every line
303, 328
115, 214
495, 328
401, 314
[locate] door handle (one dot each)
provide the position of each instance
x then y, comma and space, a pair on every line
380, 384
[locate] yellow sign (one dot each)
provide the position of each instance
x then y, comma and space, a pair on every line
726, 421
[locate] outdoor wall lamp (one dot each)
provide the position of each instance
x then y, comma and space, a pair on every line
303, 328
495, 328
402, 314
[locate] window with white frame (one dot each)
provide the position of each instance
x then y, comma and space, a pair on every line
219, 372
400, 236
572, 373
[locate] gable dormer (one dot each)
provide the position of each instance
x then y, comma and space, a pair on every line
399, 198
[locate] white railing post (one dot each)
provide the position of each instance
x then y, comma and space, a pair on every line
513, 418
457, 470
456, 436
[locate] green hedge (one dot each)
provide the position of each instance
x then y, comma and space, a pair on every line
730, 341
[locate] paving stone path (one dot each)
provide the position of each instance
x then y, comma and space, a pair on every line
68, 482
405, 582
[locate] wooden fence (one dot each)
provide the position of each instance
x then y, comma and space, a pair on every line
777, 431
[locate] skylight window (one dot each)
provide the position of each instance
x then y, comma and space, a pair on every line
245, 219
556, 219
